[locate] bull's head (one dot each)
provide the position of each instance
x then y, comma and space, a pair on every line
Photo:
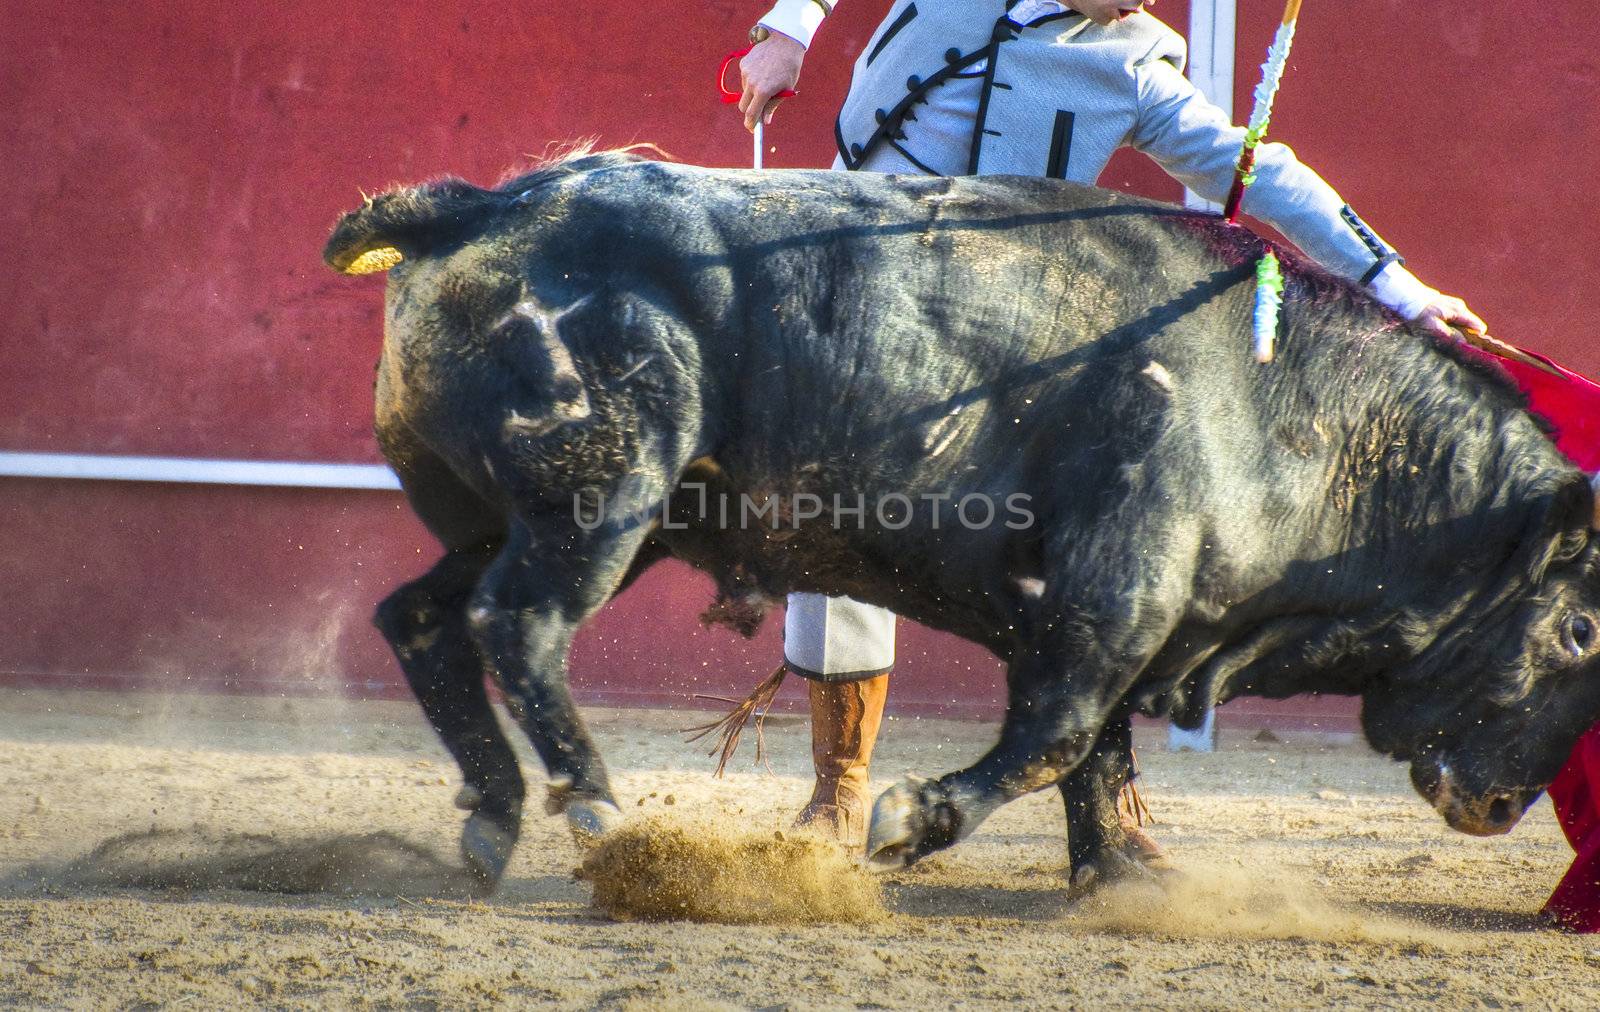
1488, 714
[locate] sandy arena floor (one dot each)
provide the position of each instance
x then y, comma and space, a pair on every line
1314, 877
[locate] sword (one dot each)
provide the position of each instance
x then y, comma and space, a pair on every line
1495, 346
729, 97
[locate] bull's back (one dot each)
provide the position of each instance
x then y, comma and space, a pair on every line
952, 333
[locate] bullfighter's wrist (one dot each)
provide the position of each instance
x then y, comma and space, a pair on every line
797, 19
1401, 291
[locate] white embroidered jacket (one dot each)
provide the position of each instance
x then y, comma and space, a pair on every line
953, 87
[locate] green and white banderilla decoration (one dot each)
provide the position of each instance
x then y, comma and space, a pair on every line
1269, 278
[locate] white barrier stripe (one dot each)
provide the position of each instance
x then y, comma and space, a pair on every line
196, 470
1213, 27
1212, 30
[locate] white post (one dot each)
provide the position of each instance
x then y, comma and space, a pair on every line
1211, 55
1212, 30
1201, 739
192, 470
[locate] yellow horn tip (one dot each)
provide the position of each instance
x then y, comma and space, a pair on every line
374, 261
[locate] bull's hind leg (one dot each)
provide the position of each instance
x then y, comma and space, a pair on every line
548, 579
426, 626
425, 622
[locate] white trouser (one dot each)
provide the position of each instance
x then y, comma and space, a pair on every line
837, 639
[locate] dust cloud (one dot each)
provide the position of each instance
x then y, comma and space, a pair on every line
1219, 901
669, 869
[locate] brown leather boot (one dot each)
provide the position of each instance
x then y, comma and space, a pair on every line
845, 717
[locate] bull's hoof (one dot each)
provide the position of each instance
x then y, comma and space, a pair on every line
896, 826
469, 798
911, 820
1142, 847
486, 847
590, 819
558, 792
1108, 866
1137, 859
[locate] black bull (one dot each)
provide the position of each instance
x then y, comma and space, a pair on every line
1369, 515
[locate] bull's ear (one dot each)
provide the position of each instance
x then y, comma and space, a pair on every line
363, 242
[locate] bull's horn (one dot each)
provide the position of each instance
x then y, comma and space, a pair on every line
1594, 486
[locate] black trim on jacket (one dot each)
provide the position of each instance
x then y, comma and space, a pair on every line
1004, 31
890, 120
905, 18
917, 91
1375, 269
1060, 145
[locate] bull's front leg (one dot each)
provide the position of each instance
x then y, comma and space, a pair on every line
1064, 685
1099, 848
1049, 728
549, 578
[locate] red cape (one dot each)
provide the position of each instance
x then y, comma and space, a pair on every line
1571, 404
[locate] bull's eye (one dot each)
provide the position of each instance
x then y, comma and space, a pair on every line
1577, 634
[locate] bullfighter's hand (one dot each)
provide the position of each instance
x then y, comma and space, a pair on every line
1446, 314
771, 66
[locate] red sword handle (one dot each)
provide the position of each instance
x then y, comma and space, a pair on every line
730, 97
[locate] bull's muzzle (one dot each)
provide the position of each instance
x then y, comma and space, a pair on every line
1487, 814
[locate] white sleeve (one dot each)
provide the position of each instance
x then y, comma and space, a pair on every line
1195, 142
798, 19
1401, 291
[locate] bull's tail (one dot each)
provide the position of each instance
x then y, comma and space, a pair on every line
413, 221
408, 223
729, 727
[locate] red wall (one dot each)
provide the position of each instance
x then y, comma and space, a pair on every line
1468, 135
172, 171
